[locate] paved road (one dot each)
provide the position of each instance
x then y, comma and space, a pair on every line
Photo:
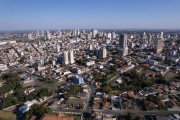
91, 96
123, 112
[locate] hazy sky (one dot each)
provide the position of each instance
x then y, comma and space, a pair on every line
63, 14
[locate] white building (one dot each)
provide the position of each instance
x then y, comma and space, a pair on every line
37, 34
94, 32
162, 35
25, 108
30, 36
109, 36
54, 62
131, 44
65, 57
90, 47
3, 67
71, 57
89, 63
48, 35
58, 48
113, 35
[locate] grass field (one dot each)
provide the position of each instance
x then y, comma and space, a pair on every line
7, 116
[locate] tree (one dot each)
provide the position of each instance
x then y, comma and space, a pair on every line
137, 81
1, 61
154, 99
132, 116
44, 92
21, 60
161, 80
37, 110
143, 104
178, 76
74, 89
8, 101
100, 105
80, 62
106, 89
12, 83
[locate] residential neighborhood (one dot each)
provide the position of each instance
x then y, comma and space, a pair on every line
93, 74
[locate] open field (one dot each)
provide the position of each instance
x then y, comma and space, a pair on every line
7, 116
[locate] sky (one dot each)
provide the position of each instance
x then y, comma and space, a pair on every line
87, 14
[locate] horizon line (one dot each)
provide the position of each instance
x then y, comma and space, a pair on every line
94, 28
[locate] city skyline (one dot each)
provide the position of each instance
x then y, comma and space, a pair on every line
101, 14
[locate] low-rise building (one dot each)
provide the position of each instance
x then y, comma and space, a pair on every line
77, 79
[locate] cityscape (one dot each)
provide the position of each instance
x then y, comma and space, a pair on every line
90, 70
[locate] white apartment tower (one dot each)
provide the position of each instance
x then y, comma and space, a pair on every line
94, 32
48, 34
162, 35
30, 36
58, 48
109, 36
103, 52
71, 57
123, 45
65, 57
37, 34
90, 46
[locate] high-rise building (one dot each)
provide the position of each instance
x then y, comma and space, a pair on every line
37, 34
144, 35
123, 41
94, 32
78, 31
48, 34
162, 35
113, 35
131, 44
30, 36
42, 33
109, 36
90, 46
74, 32
84, 32
158, 45
59, 33
123, 45
58, 48
71, 57
103, 53
96, 50
149, 38
54, 62
65, 57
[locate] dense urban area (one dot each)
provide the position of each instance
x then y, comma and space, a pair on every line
90, 75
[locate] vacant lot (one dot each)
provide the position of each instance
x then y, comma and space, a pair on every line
7, 116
